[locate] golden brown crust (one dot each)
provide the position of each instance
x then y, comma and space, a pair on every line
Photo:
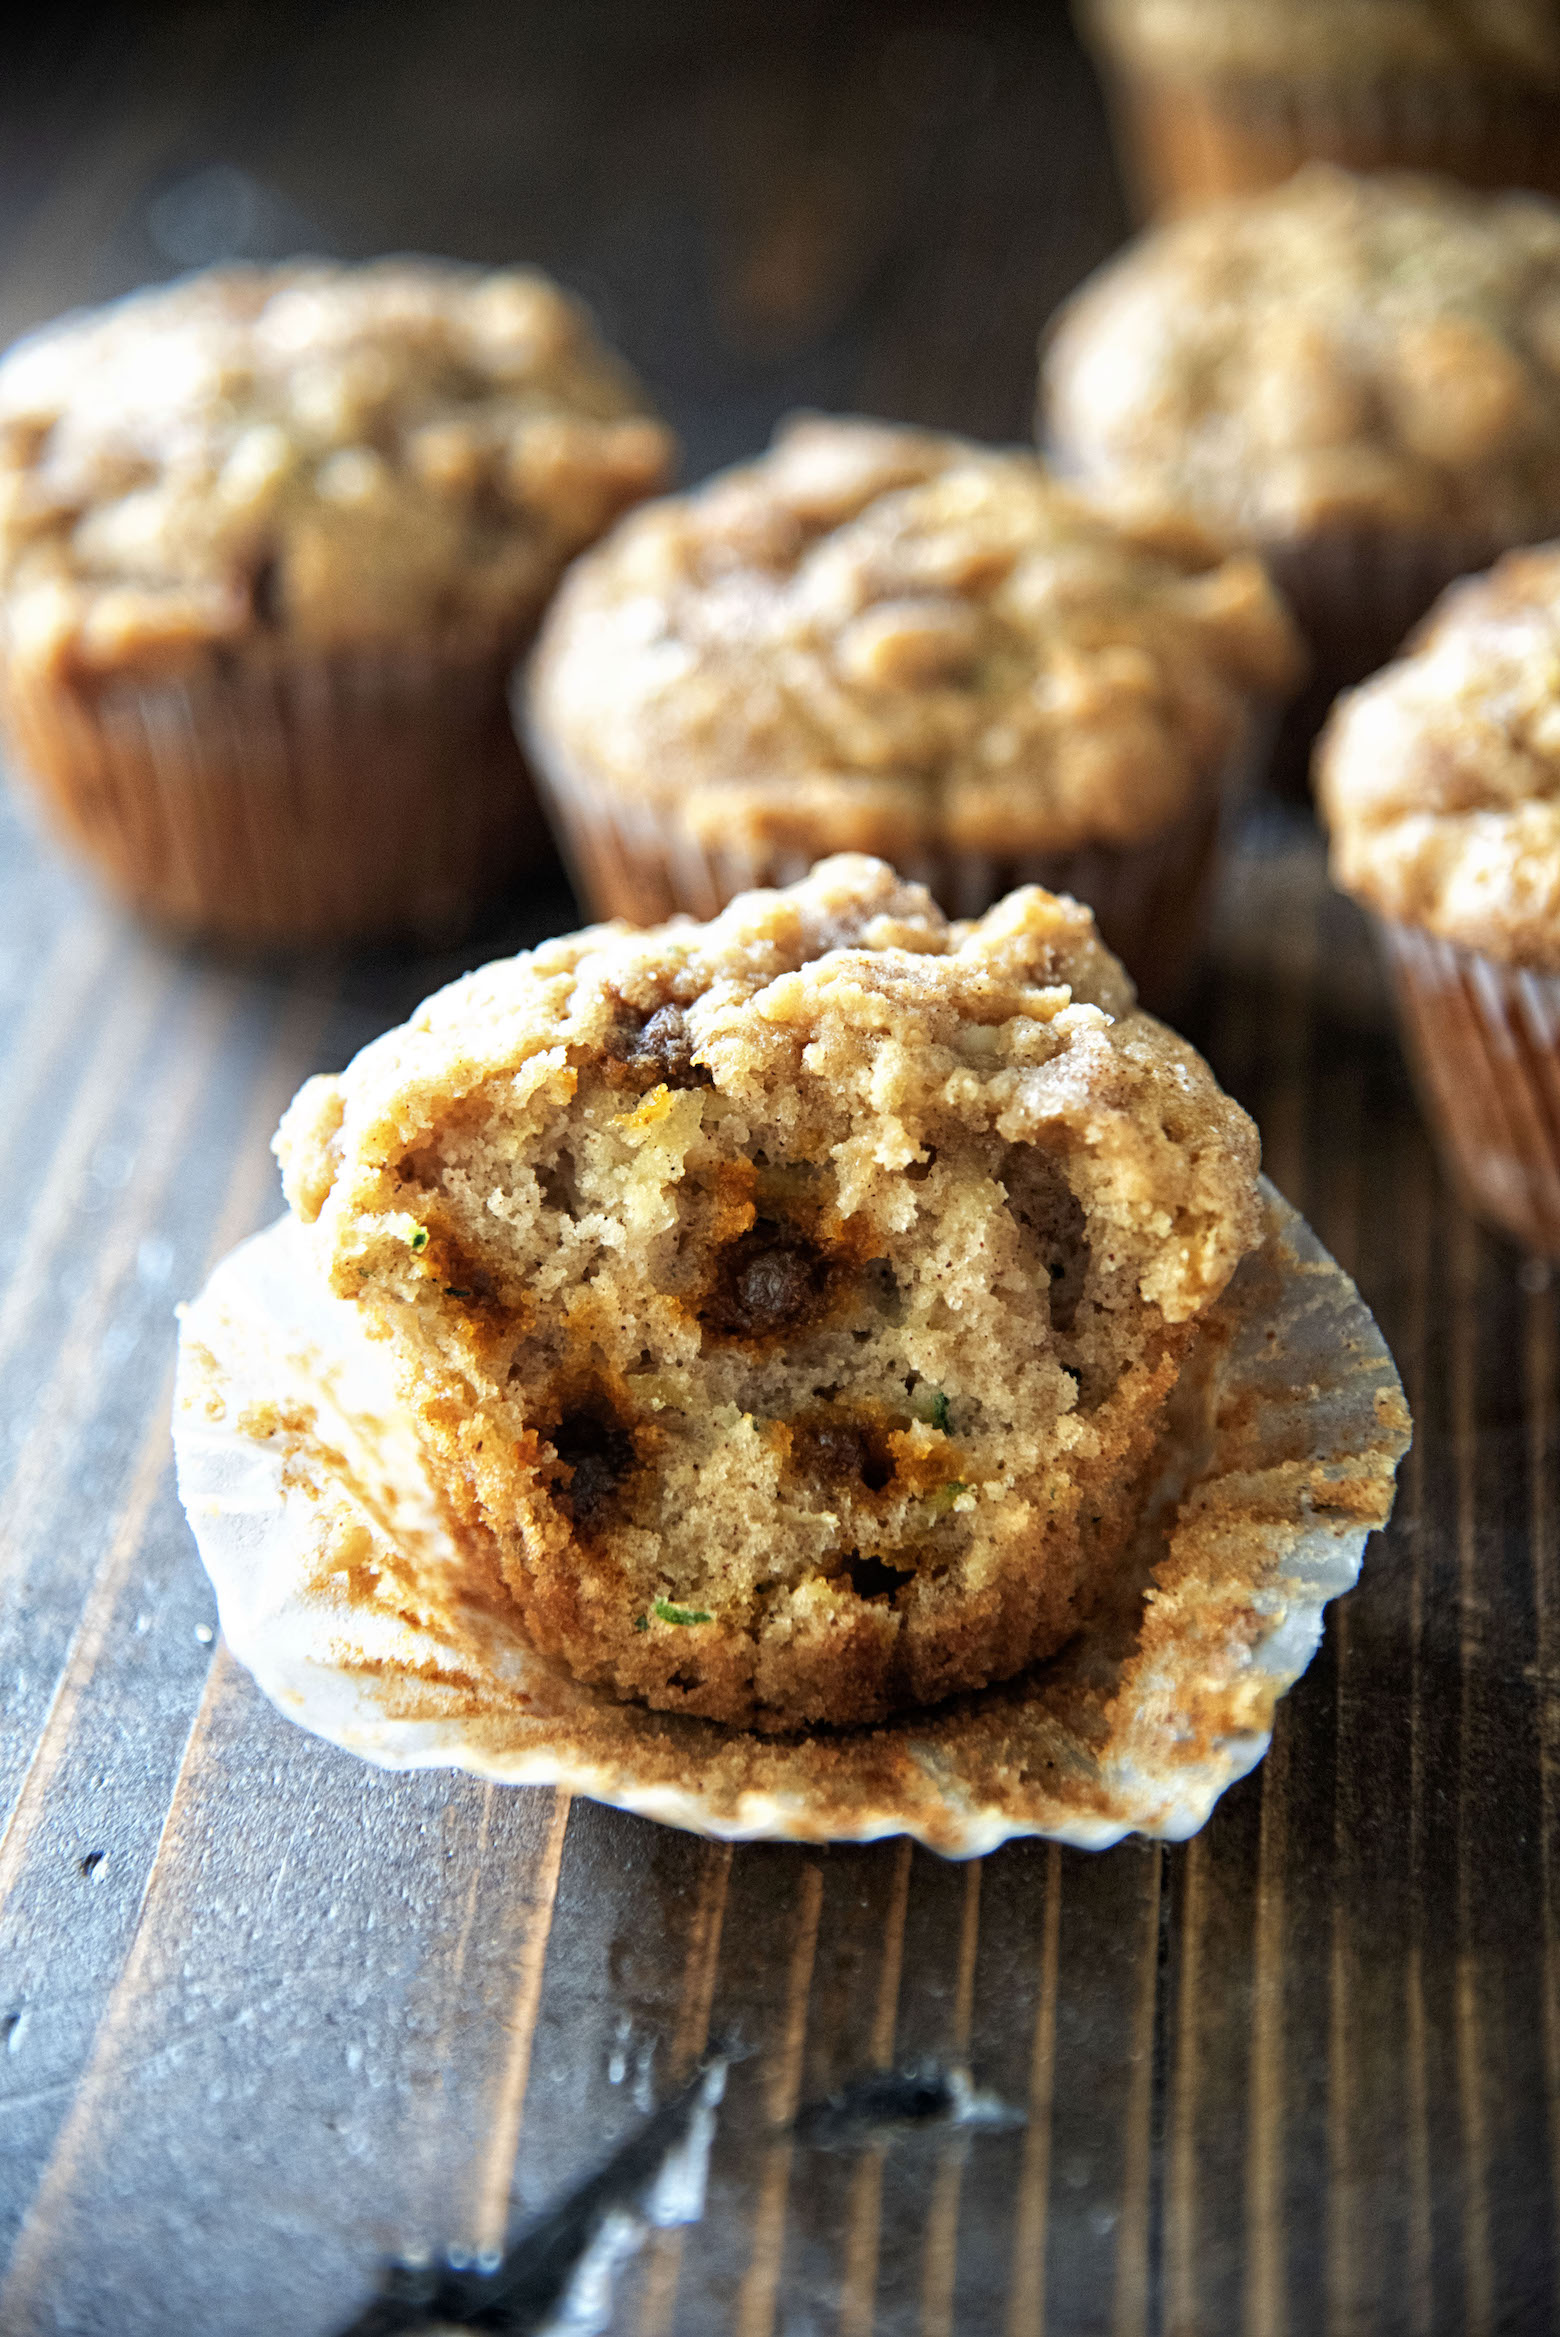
324, 456
790, 1301
882, 640
1335, 354
1440, 778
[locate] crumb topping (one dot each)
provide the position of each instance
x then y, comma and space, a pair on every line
1339, 352
1440, 778
790, 1301
336, 455
879, 639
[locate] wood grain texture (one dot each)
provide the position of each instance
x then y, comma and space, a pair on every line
267, 2015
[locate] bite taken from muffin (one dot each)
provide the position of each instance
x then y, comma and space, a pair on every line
787, 1307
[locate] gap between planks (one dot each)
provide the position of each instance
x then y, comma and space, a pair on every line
1027, 2286
755, 2311
858, 2282
1540, 1358
1478, 2266
940, 2264
701, 1961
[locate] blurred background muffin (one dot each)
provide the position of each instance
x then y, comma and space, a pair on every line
890, 641
1220, 97
1359, 378
1440, 784
269, 542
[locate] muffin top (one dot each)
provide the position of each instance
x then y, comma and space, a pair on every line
1338, 352
1313, 39
331, 456
1440, 778
789, 1303
881, 639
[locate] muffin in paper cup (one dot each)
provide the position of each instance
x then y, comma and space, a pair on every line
326, 1546
1440, 783
821, 1373
270, 541
1224, 97
1351, 378
886, 641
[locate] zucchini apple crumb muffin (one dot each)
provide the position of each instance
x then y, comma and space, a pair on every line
269, 541
1440, 783
886, 640
787, 1305
1359, 379
1221, 97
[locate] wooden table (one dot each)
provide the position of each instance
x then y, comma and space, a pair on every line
269, 2015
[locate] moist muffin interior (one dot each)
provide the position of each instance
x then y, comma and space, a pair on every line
788, 1305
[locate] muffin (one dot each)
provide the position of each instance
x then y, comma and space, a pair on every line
355, 1611
270, 540
888, 641
1359, 379
1223, 97
786, 1307
1440, 782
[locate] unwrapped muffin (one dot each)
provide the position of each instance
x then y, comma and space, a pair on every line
884, 640
269, 542
1221, 97
1359, 379
1440, 782
786, 1307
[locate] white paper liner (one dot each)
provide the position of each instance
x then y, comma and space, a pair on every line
340, 1589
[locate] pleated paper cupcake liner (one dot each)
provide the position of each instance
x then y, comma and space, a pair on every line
1186, 141
287, 800
1485, 1042
642, 860
342, 1591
